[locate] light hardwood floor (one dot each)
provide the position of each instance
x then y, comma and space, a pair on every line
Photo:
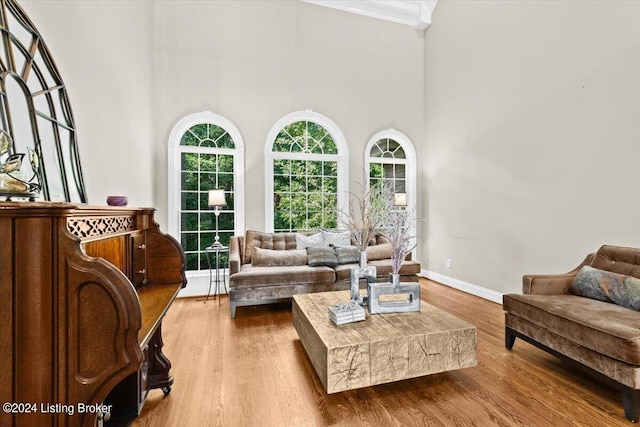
253, 371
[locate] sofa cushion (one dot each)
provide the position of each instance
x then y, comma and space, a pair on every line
628, 294
347, 254
275, 241
595, 283
254, 277
618, 260
381, 251
271, 258
383, 267
600, 326
607, 286
321, 257
380, 239
343, 272
312, 241
336, 237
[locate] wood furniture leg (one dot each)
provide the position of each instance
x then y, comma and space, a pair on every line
631, 403
159, 364
509, 338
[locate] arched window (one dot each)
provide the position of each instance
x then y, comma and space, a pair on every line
390, 157
306, 173
206, 152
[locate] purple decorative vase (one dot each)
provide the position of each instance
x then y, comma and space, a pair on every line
117, 200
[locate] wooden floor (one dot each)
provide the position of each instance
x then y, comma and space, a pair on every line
253, 371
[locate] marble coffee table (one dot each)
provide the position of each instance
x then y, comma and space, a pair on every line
384, 347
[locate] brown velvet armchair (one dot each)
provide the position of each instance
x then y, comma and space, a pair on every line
600, 337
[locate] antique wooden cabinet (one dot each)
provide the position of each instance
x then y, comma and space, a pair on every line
83, 291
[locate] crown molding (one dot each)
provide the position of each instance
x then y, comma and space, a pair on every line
407, 12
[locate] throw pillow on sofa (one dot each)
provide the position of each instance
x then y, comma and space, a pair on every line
274, 258
347, 254
607, 286
627, 295
383, 251
596, 284
313, 241
322, 257
336, 237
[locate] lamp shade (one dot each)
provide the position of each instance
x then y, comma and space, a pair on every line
400, 199
216, 198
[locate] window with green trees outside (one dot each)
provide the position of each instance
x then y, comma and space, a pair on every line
387, 165
206, 163
305, 178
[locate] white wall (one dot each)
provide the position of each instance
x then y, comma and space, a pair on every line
103, 52
253, 62
532, 136
134, 68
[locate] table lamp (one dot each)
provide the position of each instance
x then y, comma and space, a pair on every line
399, 199
217, 200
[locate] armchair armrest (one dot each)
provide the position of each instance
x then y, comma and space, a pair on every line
552, 284
234, 255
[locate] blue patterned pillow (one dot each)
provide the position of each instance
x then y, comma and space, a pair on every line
627, 295
596, 284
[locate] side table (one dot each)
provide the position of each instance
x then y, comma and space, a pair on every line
220, 277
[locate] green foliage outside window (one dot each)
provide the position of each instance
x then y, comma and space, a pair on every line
381, 171
203, 170
304, 137
305, 191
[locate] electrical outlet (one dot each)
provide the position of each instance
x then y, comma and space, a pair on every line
448, 263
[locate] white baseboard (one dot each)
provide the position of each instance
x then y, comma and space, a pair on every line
461, 285
198, 286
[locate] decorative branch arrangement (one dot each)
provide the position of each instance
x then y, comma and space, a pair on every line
373, 213
366, 215
397, 230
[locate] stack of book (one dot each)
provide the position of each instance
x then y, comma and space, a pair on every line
346, 313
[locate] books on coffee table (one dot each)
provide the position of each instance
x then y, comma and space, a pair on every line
346, 312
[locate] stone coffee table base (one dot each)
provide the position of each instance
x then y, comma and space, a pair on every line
384, 347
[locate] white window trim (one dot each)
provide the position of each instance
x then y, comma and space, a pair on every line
410, 162
342, 158
175, 137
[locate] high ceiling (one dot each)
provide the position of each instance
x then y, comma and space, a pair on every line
408, 12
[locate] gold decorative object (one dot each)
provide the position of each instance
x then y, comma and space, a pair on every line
12, 164
5, 142
13, 182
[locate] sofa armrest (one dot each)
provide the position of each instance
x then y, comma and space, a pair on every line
234, 255
552, 284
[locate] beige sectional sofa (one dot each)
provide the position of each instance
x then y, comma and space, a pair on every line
286, 275
601, 337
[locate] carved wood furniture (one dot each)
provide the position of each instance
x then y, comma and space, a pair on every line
83, 291
383, 348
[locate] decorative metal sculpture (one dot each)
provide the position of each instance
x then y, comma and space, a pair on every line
410, 291
363, 271
13, 182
